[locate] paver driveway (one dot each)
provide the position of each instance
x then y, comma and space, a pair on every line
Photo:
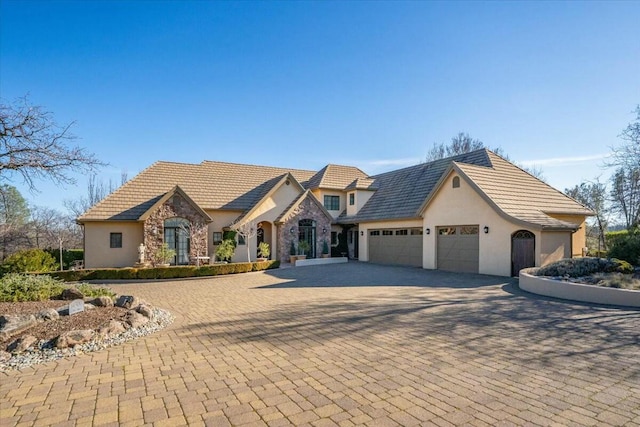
351, 344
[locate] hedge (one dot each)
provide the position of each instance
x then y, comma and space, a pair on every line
162, 272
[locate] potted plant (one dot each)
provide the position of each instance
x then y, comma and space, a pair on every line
164, 255
292, 253
303, 248
325, 249
263, 251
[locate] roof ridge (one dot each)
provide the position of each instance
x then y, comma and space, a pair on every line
204, 162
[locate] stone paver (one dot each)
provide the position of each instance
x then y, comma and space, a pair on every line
350, 344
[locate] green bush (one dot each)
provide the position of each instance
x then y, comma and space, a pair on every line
92, 291
15, 287
162, 272
580, 267
68, 256
29, 260
225, 250
626, 247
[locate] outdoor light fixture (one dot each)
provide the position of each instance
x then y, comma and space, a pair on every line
324, 230
362, 233
486, 229
427, 230
291, 230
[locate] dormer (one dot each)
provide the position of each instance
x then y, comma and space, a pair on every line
358, 194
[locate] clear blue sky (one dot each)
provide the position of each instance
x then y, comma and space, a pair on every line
303, 84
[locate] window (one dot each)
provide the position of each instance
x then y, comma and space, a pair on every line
352, 199
469, 229
334, 237
416, 231
446, 231
401, 232
115, 240
387, 232
241, 240
217, 237
456, 182
374, 233
351, 237
332, 203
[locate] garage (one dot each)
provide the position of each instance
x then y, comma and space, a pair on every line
397, 246
457, 248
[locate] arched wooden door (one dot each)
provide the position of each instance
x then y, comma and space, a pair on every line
523, 251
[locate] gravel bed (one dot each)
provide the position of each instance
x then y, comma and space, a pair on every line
45, 352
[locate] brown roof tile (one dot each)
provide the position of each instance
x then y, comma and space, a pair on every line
335, 177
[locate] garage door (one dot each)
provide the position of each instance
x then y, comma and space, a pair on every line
458, 248
398, 246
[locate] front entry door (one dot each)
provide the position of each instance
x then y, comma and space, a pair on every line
307, 233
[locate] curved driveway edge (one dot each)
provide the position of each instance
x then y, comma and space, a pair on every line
350, 345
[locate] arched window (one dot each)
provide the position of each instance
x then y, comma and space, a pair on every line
456, 182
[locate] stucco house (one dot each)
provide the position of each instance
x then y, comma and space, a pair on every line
474, 212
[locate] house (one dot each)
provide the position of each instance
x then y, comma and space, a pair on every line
474, 212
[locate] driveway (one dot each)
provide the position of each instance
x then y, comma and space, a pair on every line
349, 344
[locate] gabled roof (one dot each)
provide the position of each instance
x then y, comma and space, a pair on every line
335, 177
400, 193
175, 190
520, 195
211, 185
363, 184
297, 201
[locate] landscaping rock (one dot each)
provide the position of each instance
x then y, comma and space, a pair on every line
89, 306
13, 324
47, 315
73, 338
145, 310
70, 294
22, 344
135, 319
127, 301
112, 327
102, 302
4, 356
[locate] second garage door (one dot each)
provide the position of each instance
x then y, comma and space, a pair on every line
399, 246
458, 248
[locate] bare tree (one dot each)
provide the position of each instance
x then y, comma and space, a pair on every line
14, 218
198, 232
460, 144
247, 230
34, 146
625, 195
627, 155
97, 190
594, 196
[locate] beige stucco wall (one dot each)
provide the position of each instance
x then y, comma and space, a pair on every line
579, 238
555, 245
464, 206
364, 227
320, 193
220, 219
98, 254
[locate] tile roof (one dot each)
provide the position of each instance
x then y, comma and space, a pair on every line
363, 184
212, 185
521, 195
335, 177
400, 193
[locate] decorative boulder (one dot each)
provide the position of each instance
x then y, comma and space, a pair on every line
89, 306
13, 324
70, 294
47, 315
127, 301
135, 319
145, 310
73, 338
102, 302
22, 344
112, 327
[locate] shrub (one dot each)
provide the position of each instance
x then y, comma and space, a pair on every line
617, 280
225, 250
68, 256
16, 287
627, 248
264, 250
93, 291
29, 260
580, 267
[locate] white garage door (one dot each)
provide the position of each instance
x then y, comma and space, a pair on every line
458, 248
398, 246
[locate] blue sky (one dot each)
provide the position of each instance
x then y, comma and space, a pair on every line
303, 84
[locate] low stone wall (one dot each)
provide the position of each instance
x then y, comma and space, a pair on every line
576, 291
320, 261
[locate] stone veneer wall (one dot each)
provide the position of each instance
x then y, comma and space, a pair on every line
306, 210
176, 206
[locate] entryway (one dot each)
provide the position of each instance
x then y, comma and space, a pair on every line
523, 251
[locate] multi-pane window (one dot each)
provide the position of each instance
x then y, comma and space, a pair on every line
241, 240
217, 237
332, 203
352, 199
334, 237
115, 240
401, 232
374, 233
387, 232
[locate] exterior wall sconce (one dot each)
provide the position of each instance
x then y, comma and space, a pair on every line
427, 230
324, 230
486, 229
291, 230
362, 233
